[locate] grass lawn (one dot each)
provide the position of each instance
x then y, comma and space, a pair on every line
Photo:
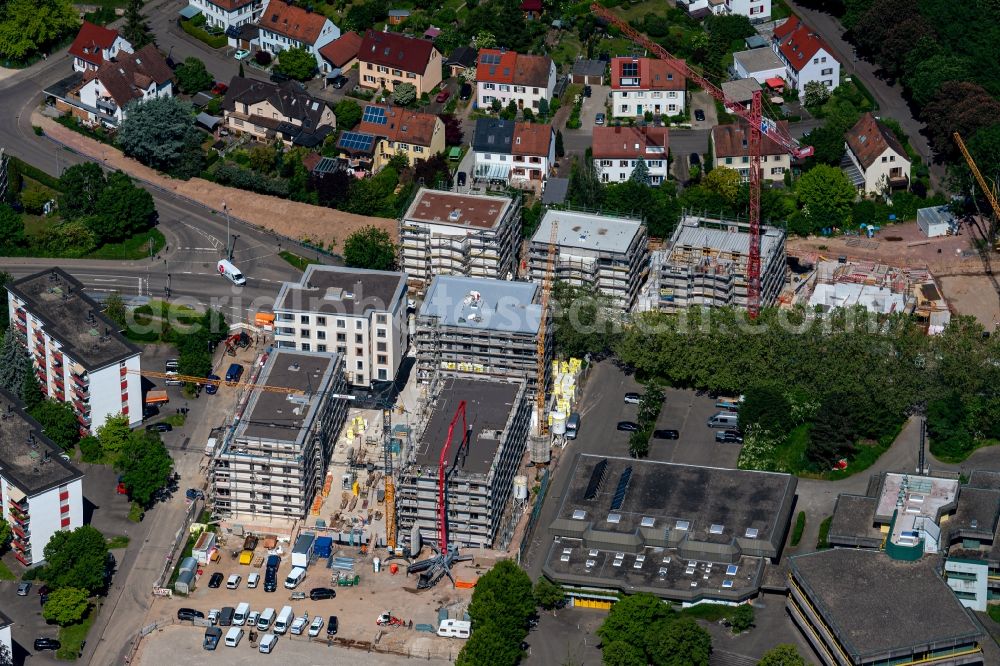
708, 612
567, 50
176, 420
780, 10
5, 572
120, 541
73, 636
295, 260
994, 612
638, 10
133, 248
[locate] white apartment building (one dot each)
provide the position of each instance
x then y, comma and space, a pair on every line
40, 493
445, 233
519, 154
225, 14
806, 56
6, 643
284, 26
758, 11
759, 64
356, 313
94, 45
606, 254
274, 460
507, 76
617, 150
78, 353
641, 85
730, 149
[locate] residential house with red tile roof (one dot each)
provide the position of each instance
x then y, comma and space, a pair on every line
229, 15
94, 45
617, 151
806, 56
387, 131
342, 53
387, 59
532, 9
519, 154
641, 85
507, 76
875, 161
101, 95
284, 26
731, 150
267, 111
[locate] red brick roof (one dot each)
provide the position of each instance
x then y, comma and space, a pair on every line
629, 142
390, 49
131, 73
531, 139
230, 5
292, 22
869, 138
91, 41
497, 66
731, 141
653, 74
403, 125
531, 6
798, 43
342, 50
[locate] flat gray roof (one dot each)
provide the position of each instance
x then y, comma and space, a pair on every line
876, 604
28, 458
854, 518
556, 190
603, 233
978, 510
73, 318
589, 67
488, 405
339, 290
740, 90
483, 304
984, 478
691, 233
478, 211
935, 215
756, 60
281, 416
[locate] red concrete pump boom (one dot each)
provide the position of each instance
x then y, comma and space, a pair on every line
442, 516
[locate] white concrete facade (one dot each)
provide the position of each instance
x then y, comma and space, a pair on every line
275, 43
226, 14
54, 510
969, 580
120, 45
95, 95
758, 11
887, 167
526, 97
631, 103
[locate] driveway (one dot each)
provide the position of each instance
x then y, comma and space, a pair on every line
702, 100
576, 141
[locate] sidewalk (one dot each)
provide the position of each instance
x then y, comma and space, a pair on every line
296, 220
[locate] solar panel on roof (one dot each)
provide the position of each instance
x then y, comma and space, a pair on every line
491, 58
356, 141
619, 497
374, 114
596, 477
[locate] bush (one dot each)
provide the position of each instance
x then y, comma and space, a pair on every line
229, 174
262, 58
800, 526
822, 542
192, 28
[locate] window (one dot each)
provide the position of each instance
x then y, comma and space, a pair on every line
892, 158
303, 319
623, 163
321, 335
383, 359
605, 163
729, 160
382, 374
624, 108
777, 171
489, 86
827, 71
341, 337
306, 346
745, 159
621, 175
381, 346
884, 159
815, 61
321, 321
823, 59
358, 351
342, 350
630, 70
358, 338
360, 365
380, 333
321, 348
358, 324
341, 323
368, 78
397, 72
418, 149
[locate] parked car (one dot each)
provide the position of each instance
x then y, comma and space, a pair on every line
193, 494
253, 580
442, 96
628, 426
319, 593
23, 589
299, 624
252, 619
280, 77
46, 644
340, 82
219, 88
666, 434
159, 427
241, 54
316, 626
632, 398
729, 437
331, 625
172, 365
462, 178
149, 411
212, 389
233, 583
216, 580
587, 90
189, 614
699, 115
213, 615
599, 119
465, 92
267, 643
694, 159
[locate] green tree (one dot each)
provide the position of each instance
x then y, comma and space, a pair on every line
768, 407
296, 63
34, 199
926, 79
825, 197
585, 189
547, 593
348, 114
543, 113
623, 653
66, 606
114, 436
485, 40
560, 149
742, 619
81, 186
11, 230
15, 363
145, 465
77, 559
159, 132
28, 27
59, 423
123, 210
114, 308
782, 655
631, 616
833, 432
5, 277
580, 321
192, 76
135, 30
6, 533
816, 94
370, 247
489, 646
501, 605
681, 643
404, 94
640, 173
724, 182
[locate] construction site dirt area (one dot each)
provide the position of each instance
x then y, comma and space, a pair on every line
974, 295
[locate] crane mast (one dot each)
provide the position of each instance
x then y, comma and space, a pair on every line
987, 190
543, 426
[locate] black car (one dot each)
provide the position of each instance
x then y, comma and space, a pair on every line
465, 92
340, 82
149, 411
319, 593
189, 614
212, 389
729, 437
699, 114
46, 644
216, 580
270, 582
280, 77
159, 427
461, 178
628, 426
331, 625
587, 91
695, 159
666, 434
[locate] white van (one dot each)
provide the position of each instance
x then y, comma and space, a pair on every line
572, 425
240, 616
233, 582
265, 619
234, 636
285, 619
227, 269
454, 629
295, 576
724, 420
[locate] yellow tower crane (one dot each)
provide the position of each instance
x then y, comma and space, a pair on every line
987, 190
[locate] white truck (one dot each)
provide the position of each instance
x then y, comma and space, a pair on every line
230, 271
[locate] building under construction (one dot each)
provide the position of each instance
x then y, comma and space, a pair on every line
706, 265
481, 464
274, 459
600, 253
482, 328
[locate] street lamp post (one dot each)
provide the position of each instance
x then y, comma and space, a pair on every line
229, 251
